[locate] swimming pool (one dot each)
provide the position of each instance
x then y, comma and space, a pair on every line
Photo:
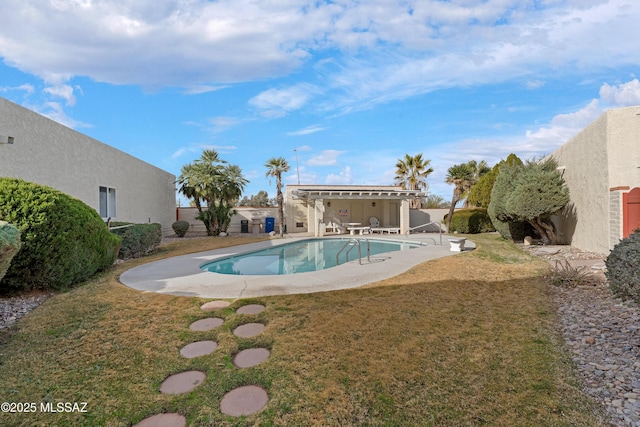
300, 257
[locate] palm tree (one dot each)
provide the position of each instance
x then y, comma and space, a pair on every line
461, 176
209, 180
276, 166
411, 174
479, 170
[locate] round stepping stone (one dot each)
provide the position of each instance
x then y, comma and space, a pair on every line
250, 309
198, 348
214, 305
248, 330
250, 357
182, 382
163, 420
206, 324
245, 400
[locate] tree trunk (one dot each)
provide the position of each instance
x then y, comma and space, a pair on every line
454, 200
549, 229
546, 231
281, 212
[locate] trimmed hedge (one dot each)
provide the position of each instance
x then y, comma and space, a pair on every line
64, 240
471, 221
180, 227
10, 244
138, 240
622, 271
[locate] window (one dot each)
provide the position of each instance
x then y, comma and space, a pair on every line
107, 202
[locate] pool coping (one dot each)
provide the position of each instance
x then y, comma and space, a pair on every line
181, 275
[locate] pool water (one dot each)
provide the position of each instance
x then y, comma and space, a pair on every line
301, 257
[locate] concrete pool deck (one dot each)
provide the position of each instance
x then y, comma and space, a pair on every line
181, 275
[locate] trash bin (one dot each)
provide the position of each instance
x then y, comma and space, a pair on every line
269, 224
244, 226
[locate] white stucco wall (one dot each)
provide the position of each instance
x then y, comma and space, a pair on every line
51, 154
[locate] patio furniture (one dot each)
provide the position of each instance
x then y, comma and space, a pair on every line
360, 230
336, 226
457, 245
352, 226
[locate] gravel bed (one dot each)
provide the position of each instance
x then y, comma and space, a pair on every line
602, 334
13, 308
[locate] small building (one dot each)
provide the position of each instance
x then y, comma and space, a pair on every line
601, 166
117, 185
310, 208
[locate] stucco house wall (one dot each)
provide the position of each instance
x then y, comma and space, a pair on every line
48, 153
599, 164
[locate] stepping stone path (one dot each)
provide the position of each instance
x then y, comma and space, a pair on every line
250, 357
198, 348
182, 382
250, 309
206, 324
245, 400
248, 330
214, 305
163, 420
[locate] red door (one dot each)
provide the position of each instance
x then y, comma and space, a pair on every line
631, 211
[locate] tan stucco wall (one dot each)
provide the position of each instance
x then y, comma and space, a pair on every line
623, 149
604, 155
51, 154
235, 226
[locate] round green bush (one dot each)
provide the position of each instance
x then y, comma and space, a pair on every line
471, 221
10, 244
180, 227
622, 264
64, 240
138, 240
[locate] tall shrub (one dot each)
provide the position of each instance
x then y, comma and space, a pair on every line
509, 228
64, 240
10, 244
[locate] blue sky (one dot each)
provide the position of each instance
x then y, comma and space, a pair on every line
350, 85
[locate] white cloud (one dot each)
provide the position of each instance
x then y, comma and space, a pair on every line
28, 89
307, 131
367, 52
62, 91
624, 95
342, 178
200, 89
278, 102
325, 158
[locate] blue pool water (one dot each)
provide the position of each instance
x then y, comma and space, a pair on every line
300, 257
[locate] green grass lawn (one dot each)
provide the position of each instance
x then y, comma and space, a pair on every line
463, 340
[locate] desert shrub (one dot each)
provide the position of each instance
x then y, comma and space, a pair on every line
471, 221
180, 227
622, 271
10, 244
138, 240
64, 241
566, 276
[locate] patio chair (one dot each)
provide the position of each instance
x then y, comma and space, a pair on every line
375, 224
